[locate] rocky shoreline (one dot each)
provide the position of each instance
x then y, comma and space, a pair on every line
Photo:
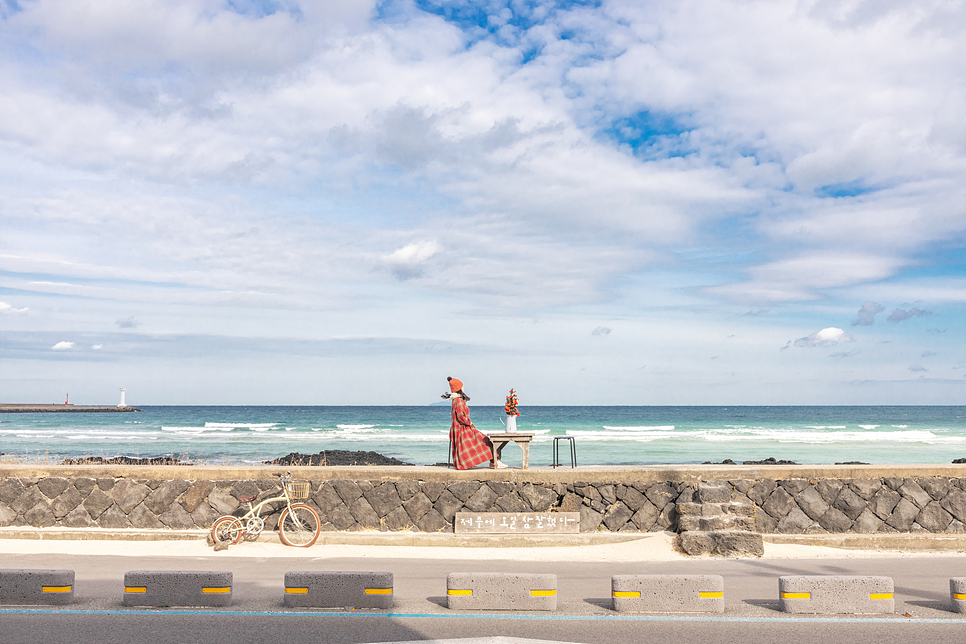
339, 457
335, 457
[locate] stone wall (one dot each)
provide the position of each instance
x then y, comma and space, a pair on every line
343, 504
860, 505
764, 505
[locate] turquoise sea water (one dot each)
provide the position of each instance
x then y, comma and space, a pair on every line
604, 435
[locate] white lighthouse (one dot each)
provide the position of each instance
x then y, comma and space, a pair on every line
122, 403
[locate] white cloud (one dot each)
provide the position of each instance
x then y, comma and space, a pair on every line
7, 309
901, 314
844, 354
828, 337
802, 278
601, 330
63, 346
410, 260
244, 166
867, 313
130, 322
97, 347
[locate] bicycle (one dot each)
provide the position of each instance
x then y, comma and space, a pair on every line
298, 525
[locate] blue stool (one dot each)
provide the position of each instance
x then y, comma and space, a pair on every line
556, 452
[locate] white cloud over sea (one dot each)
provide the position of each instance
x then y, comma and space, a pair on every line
465, 188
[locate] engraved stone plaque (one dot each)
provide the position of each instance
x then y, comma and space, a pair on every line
517, 523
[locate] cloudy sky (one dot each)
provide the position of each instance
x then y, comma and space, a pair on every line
618, 202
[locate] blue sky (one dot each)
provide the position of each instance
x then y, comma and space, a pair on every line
715, 202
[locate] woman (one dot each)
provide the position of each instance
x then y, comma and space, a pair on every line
469, 446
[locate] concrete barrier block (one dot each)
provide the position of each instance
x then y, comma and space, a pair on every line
49, 587
330, 589
177, 588
835, 594
957, 594
501, 591
668, 593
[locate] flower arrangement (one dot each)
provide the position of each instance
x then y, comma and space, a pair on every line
511, 404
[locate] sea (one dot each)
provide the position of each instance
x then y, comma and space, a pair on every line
419, 434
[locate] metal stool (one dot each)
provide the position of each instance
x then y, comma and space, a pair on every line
556, 453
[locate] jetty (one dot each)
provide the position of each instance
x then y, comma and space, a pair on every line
16, 408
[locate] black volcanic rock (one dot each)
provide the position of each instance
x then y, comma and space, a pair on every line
336, 457
125, 460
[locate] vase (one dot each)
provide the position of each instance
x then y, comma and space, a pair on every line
511, 423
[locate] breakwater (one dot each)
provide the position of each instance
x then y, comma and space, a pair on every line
715, 509
9, 408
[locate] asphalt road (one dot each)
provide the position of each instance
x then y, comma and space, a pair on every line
583, 615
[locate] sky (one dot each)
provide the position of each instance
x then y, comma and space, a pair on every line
721, 202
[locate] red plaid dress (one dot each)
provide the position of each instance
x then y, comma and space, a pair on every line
470, 446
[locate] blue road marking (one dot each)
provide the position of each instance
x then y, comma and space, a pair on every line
610, 618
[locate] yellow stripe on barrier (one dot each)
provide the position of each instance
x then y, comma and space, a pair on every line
711, 594
543, 593
626, 593
297, 591
880, 596
135, 589
459, 592
959, 596
208, 591
796, 595
378, 591
56, 589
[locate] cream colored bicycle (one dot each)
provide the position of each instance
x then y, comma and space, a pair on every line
298, 525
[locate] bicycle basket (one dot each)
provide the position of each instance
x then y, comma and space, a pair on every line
297, 489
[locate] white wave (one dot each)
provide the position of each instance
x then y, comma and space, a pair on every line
644, 437
231, 426
772, 435
868, 426
352, 430
825, 426
382, 439
192, 430
428, 438
72, 434
110, 437
663, 428
901, 426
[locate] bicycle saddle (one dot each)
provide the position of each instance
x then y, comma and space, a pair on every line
245, 498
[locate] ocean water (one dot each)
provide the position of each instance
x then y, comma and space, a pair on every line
419, 435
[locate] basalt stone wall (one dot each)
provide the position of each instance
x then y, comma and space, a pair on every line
859, 505
343, 504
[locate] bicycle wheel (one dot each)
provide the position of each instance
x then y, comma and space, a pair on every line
299, 526
227, 529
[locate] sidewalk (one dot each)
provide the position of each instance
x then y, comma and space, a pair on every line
598, 547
